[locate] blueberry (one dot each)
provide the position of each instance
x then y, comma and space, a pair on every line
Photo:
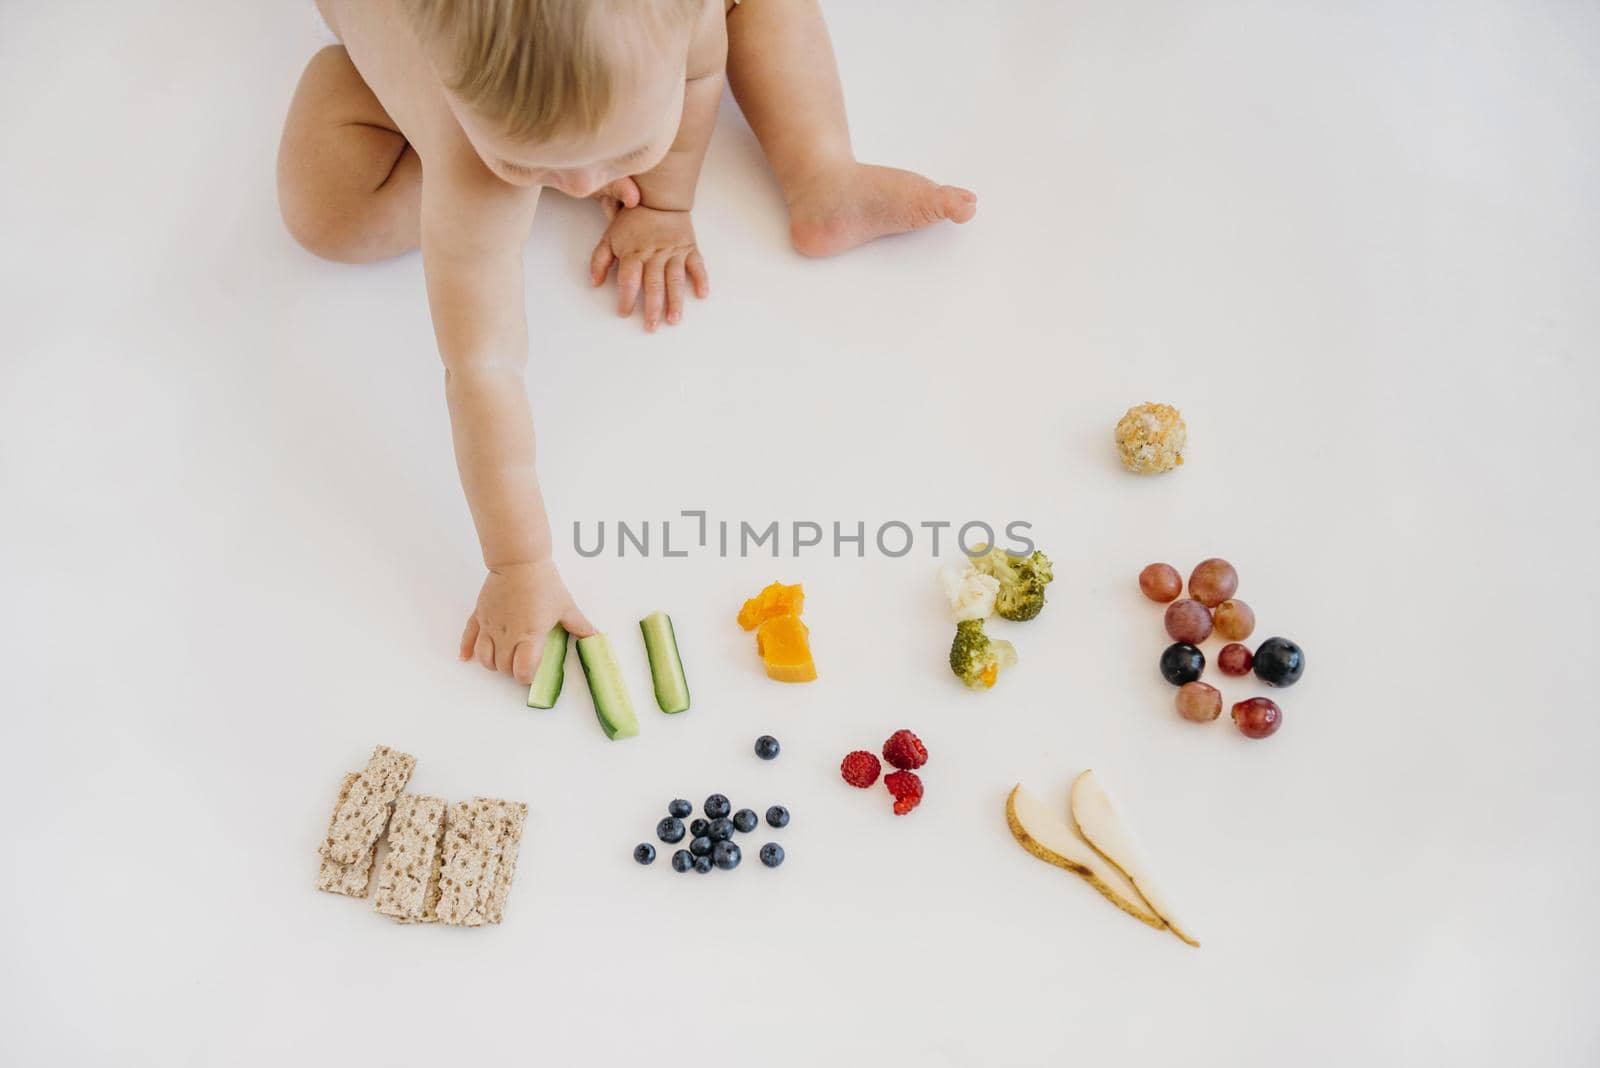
717, 806
745, 820
644, 853
772, 854
682, 860
721, 830
700, 846
670, 829
702, 864
680, 808
699, 828
1280, 662
777, 816
767, 747
726, 856
1181, 663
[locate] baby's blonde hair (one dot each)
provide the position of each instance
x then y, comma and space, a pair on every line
543, 67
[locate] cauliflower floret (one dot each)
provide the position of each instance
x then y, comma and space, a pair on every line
969, 591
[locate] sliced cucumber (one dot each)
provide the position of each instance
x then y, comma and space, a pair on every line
666, 666
610, 693
552, 670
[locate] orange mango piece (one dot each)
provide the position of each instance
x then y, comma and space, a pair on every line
785, 647
776, 600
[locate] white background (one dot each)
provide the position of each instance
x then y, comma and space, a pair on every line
1355, 243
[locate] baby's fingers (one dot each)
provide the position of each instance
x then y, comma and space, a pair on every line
600, 263
469, 637
503, 652
698, 275
483, 649
629, 274
525, 661
625, 191
675, 287
655, 290
577, 624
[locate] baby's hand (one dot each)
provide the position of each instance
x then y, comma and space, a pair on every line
654, 250
516, 609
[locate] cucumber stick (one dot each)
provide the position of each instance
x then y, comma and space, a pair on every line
552, 670
610, 693
666, 666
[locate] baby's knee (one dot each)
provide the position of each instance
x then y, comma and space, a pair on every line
322, 227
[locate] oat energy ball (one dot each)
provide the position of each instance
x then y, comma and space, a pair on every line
1150, 438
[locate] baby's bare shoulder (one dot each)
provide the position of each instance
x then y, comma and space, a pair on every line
385, 52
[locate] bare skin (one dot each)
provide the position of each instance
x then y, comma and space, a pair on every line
371, 119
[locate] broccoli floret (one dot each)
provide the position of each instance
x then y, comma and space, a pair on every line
1022, 582
976, 658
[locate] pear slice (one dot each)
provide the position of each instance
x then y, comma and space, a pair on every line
1101, 823
1051, 839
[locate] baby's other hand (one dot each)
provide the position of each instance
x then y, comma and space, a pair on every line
516, 609
654, 251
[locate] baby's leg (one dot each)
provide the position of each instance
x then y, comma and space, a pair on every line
349, 186
781, 68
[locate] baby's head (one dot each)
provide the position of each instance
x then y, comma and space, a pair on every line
565, 93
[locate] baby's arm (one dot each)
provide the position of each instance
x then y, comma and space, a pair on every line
670, 185
653, 245
473, 231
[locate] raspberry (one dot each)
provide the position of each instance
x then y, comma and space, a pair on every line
906, 788
860, 769
905, 750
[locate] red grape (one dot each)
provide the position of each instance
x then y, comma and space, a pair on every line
1160, 582
1234, 620
1213, 581
1257, 717
1188, 621
1235, 659
1199, 702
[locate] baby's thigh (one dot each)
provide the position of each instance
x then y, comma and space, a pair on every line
349, 186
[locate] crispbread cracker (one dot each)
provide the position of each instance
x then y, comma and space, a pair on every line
480, 855
510, 844
348, 879
363, 809
410, 863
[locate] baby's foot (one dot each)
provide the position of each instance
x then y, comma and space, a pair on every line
853, 204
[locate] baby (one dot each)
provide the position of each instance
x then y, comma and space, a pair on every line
437, 122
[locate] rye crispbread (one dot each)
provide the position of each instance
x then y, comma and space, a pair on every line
481, 841
347, 879
410, 862
363, 809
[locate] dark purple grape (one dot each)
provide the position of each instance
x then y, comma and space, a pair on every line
1279, 662
1181, 663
